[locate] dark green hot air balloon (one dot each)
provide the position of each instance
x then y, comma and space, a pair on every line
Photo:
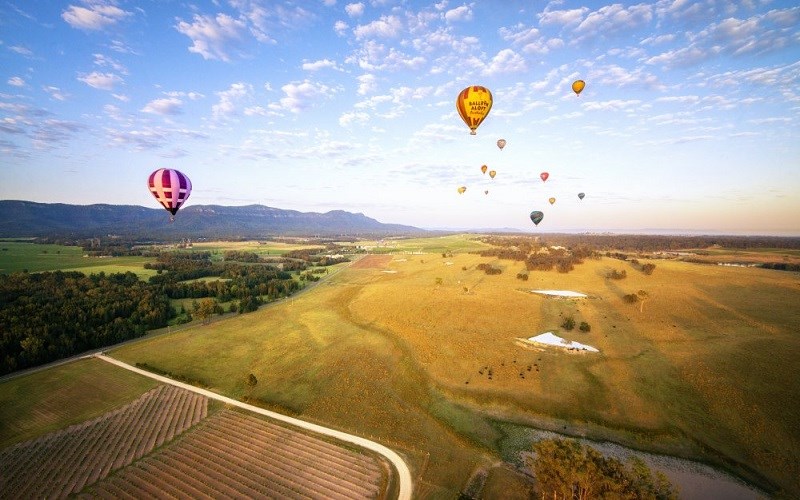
537, 216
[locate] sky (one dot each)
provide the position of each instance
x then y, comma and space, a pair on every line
689, 121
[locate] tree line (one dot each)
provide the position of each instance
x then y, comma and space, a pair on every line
52, 315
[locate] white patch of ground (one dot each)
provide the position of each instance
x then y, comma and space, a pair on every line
399, 260
549, 338
448, 263
561, 293
389, 271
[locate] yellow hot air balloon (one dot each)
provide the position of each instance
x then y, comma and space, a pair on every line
462, 189
473, 104
552, 200
501, 143
483, 169
577, 86
492, 173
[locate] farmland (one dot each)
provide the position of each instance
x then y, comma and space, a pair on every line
702, 367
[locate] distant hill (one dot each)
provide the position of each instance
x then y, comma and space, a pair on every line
31, 219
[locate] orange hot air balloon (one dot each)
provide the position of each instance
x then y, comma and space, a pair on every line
501, 143
473, 105
462, 189
577, 86
492, 173
544, 176
552, 200
484, 168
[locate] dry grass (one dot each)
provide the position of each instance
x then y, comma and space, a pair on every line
397, 357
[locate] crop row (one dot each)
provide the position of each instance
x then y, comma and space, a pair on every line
64, 462
234, 455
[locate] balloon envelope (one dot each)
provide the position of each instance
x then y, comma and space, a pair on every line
473, 105
486, 192
581, 195
544, 176
577, 86
501, 143
552, 200
484, 168
462, 189
536, 217
171, 188
492, 173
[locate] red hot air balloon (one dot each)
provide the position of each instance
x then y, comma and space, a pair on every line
171, 188
544, 176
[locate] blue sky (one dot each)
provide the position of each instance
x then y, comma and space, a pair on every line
689, 119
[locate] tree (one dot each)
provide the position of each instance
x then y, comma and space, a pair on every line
252, 380
648, 268
204, 310
566, 469
569, 323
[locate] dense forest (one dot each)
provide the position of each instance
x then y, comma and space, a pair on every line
52, 315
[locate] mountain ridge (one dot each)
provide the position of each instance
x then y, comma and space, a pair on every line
22, 218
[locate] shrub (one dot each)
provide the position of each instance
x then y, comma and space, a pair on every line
569, 323
648, 268
585, 327
618, 275
631, 298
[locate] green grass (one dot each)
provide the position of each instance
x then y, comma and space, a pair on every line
18, 256
52, 399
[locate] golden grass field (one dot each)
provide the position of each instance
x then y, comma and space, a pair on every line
705, 368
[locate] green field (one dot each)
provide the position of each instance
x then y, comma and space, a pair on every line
16, 256
705, 368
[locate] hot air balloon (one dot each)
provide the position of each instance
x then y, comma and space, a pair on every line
544, 176
473, 105
536, 217
492, 173
462, 189
501, 143
171, 188
486, 192
484, 168
552, 200
577, 86
581, 195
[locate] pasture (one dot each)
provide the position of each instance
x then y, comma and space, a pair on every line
704, 368
16, 256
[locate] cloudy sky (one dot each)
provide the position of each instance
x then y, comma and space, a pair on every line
689, 120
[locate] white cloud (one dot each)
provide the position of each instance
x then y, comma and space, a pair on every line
615, 18
213, 37
340, 27
320, 64
462, 13
354, 9
385, 27
505, 61
16, 81
612, 105
366, 84
229, 99
103, 81
23, 51
301, 96
103, 61
562, 17
55, 93
167, 106
355, 117
97, 15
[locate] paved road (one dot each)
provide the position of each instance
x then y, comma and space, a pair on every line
403, 473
